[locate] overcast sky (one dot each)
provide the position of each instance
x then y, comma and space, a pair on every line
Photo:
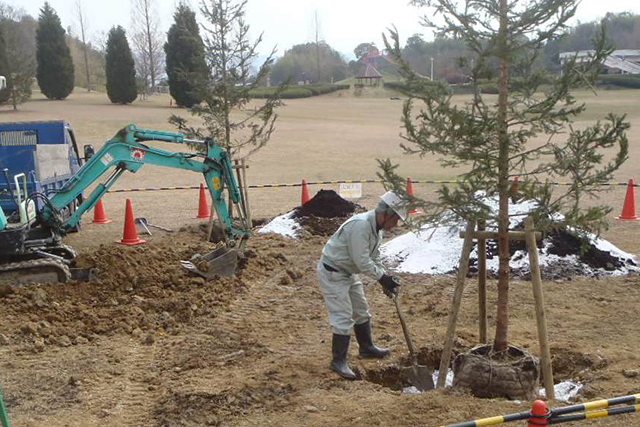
343, 24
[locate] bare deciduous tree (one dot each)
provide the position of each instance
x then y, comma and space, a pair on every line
147, 41
83, 24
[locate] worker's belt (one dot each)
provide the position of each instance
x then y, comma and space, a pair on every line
329, 268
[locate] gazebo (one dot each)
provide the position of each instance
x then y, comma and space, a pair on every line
369, 76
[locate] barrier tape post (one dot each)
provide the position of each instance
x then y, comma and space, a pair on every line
539, 414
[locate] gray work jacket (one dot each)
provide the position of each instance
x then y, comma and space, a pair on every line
354, 248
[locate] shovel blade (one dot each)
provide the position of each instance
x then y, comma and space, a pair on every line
222, 262
420, 377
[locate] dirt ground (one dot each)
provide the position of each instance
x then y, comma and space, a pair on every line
149, 345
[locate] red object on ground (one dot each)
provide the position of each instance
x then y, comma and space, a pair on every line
99, 217
305, 193
413, 211
203, 205
629, 207
130, 235
539, 414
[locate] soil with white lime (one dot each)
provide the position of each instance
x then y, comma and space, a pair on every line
147, 344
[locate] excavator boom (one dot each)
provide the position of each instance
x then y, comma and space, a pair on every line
129, 150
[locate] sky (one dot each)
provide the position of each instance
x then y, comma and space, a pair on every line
343, 24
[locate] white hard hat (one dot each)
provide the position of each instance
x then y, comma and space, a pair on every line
395, 203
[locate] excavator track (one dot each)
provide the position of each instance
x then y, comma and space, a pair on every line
35, 271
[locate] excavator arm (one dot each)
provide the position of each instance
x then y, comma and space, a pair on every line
127, 151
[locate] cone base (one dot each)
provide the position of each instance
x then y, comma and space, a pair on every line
203, 216
620, 218
101, 221
131, 242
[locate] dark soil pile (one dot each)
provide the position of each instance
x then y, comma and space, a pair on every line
564, 245
327, 204
325, 213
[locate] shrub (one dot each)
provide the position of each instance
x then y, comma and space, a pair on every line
631, 81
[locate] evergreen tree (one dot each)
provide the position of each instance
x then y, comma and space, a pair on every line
229, 56
120, 67
4, 67
17, 55
55, 72
184, 51
525, 133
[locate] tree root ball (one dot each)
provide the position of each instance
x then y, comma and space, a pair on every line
514, 374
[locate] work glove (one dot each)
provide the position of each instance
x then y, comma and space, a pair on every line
389, 285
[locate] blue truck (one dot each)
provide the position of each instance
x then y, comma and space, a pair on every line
43, 156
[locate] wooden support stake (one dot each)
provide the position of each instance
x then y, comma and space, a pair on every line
246, 191
536, 281
463, 268
482, 285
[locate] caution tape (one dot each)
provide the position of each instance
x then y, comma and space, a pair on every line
346, 181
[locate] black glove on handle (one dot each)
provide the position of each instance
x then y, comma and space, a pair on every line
389, 285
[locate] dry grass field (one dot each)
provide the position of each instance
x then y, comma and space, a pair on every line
332, 137
149, 345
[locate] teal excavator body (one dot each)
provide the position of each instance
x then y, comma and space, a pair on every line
39, 242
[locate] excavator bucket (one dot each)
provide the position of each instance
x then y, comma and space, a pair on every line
223, 262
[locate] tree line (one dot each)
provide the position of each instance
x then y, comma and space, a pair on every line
134, 64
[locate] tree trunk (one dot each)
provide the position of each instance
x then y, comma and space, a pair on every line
502, 326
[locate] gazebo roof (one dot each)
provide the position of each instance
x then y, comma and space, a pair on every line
369, 73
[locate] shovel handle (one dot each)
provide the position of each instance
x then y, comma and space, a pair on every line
405, 330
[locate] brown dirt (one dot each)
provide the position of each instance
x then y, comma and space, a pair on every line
149, 345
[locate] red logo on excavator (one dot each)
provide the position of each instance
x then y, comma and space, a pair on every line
137, 154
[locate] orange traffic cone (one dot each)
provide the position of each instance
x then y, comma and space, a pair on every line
203, 205
629, 207
413, 211
305, 193
130, 235
99, 217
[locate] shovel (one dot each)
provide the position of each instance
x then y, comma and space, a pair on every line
419, 376
145, 223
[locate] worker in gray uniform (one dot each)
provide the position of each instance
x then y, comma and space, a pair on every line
354, 249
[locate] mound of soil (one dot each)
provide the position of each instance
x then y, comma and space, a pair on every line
580, 257
327, 204
137, 290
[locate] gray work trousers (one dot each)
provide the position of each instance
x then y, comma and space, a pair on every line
345, 300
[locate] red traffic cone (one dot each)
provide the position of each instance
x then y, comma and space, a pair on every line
203, 205
629, 207
539, 414
305, 193
99, 217
413, 211
130, 235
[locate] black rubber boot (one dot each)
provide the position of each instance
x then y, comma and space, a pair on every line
340, 349
368, 350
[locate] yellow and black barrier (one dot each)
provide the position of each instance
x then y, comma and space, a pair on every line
541, 415
346, 181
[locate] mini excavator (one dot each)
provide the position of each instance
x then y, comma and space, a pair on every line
31, 248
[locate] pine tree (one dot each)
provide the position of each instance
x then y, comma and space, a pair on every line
229, 56
526, 133
120, 68
55, 71
184, 51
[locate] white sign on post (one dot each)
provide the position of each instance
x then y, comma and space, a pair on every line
351, 191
